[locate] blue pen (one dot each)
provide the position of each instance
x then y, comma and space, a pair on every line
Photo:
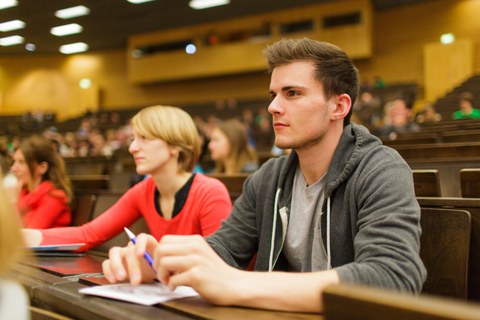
133, 239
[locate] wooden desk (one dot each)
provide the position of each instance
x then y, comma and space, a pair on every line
60, 294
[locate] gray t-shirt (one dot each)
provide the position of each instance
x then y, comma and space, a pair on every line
303, 246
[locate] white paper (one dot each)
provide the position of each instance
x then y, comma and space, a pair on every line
146, 294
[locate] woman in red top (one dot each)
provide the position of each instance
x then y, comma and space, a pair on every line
172, 199
43, 190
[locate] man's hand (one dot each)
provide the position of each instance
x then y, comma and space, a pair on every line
190, 261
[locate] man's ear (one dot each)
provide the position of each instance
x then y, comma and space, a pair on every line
343, 104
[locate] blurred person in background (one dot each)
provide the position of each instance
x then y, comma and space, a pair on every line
428, 115
397, 120
466, 109
230, 150
43, 190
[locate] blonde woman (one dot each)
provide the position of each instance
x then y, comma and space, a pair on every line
172, 200
230, 150
13, 299
43, 190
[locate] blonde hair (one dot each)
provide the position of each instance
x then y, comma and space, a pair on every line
174, 126
241, 152
11, 242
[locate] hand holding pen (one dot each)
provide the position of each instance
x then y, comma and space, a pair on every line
125, 262
146, 255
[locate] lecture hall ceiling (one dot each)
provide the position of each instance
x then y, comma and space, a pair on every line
111, 22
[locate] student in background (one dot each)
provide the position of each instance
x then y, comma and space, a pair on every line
171, 198
466, 108
428, 114
13, 298
230, 150
43, 191
397, 120
340, 208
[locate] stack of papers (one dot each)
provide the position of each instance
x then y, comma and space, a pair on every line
145, 294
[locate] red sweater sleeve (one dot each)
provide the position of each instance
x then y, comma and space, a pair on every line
107, 225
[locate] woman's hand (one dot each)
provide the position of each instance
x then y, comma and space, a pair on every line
32, 237
13, 187
128, 263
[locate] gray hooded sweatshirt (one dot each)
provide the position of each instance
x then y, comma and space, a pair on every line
370, 221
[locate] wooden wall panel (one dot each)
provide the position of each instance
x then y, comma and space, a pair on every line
399, 36
446, 66
246, 55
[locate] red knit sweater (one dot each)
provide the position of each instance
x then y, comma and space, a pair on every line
44, 207
207, 204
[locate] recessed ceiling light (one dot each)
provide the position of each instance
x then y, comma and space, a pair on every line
74, 48
72, 12
190, 48
30, 47
85, 83
447, 38
138, 1
204, 4
12, 25
4, 4
10, 41
66, 29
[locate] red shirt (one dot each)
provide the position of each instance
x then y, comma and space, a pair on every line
206, 206
44, 207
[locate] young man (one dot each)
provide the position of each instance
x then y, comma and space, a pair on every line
340, 208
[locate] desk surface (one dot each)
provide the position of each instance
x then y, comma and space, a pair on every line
59, 293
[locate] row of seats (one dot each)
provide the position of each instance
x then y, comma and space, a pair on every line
88, 205
427, 183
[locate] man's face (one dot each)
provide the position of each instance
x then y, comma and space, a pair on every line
301, 116
465, 106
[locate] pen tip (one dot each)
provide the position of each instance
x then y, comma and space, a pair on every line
129, 233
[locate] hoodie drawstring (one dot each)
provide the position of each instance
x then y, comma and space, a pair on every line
272, 243
329, 257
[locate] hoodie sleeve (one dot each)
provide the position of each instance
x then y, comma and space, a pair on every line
387, 239
236, 240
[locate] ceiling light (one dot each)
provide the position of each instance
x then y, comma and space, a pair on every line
138, 1
190, 48
72, 12
12, 25
66, 29
85, 83
447, 38
4, 4
204, 4
10, 41
30, 47
74, 48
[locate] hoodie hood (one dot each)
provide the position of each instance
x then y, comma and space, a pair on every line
355, 143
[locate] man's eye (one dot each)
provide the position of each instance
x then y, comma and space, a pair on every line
292, 93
